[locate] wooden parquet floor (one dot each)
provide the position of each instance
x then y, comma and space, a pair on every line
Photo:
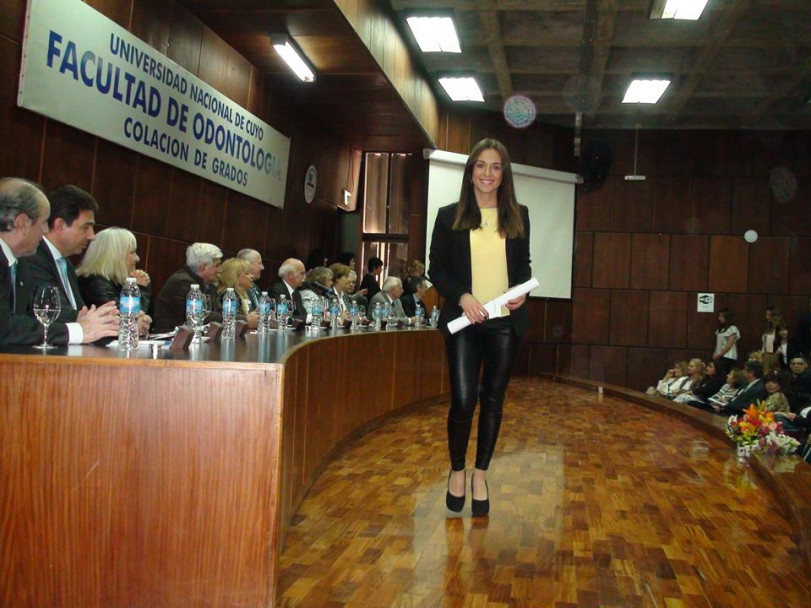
595, 502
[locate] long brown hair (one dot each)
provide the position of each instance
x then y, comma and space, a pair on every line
468, 216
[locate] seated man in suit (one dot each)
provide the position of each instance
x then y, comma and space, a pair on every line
801, 380
24, 211
70, 229
414, 288
755, 390
255, 258
203, 261
291, 276
390, 294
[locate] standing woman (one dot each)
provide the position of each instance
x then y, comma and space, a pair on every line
726, 341
479, 248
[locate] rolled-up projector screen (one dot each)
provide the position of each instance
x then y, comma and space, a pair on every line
549, 196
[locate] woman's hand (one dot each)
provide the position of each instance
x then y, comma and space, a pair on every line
516, 303
141, 278
253, 319
472, 308
144, 323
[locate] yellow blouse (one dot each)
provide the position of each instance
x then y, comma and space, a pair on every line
488, 259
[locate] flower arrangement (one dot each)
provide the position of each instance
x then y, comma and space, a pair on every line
757, 432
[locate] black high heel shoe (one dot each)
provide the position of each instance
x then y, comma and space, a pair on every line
479, 508
454, 503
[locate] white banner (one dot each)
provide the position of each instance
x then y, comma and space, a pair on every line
82, 69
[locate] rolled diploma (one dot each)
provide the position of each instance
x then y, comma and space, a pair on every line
493, 307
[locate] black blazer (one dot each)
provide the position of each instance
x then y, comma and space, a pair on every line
751, 395
279, 288
449, 267
16, 325
41, 270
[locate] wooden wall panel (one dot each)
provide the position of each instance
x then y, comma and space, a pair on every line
629, 311
667, 322
645, 367
729, 264
543, 359
186, 40
650, 261
612, 260
633, 209
119, 11
152, 197
748, 310
185, 206
114, 183
800, 269
536, 308
214, 61
672, 199
12, 19
595, 207
712, 205
247, 224
239, 78
583, 259
67, 157
558, 321
751, 201
791, 209
609, 364
732, 153
769, 266
151, 22
688, 262
590, 320
702, 325
161, 257
575, 362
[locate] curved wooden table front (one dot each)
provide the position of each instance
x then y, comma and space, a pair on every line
171, 481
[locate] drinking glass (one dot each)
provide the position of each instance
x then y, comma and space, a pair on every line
46, 309
291, 310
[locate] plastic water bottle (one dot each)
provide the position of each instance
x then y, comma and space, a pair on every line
229, 314
265, 312
419, 316
281, 312
435, 317
129, 307
194, 308
377, 316
335, 313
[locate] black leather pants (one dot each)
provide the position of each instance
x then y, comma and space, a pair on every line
489, 347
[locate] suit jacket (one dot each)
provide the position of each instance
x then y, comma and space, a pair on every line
757, 392
279, 288
396, 305
410, 303
96, 290
369, 283
449, 267
41, 270
17, 326
170, 305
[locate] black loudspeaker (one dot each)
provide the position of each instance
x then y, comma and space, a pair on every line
595, 164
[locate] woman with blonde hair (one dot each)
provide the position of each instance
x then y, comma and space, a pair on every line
236, 273
109, 260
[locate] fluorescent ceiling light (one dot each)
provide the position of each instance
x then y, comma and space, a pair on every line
435, 34
677, 9
645, 91
291, 56
462, 88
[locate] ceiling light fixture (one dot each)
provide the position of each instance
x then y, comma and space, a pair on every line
435, 34
677, 9
462, 88
292, 56
645, 91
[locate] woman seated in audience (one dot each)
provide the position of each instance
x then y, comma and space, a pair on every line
705, 388
735, 385
111, 258
415, 268
340, 285
236, 273
770, 362
669, 386
726, 341
695, 374
776, 401
771, 321
318, 285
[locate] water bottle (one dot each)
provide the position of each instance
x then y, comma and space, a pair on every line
194, 309
129, 307
435, 317
229, 314
377, 315
419, 315
281, 311
335, 313
265, 313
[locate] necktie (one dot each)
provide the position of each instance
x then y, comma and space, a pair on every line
13, 270
62, 264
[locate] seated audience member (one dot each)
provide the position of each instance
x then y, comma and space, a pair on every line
695, 374
347, 258
755, 355
413, 291
753, 392
24, 211
318, 284
369, 284
673, 380
70, 229
390, 294
355, 296
800, 382
236, 273
415, 269
255, 259
341, 280
202, 267
109, 260
771, 321
735, 385
705, 388
776, 400
770, 362
291, 276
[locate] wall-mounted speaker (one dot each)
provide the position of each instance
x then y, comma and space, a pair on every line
595, 164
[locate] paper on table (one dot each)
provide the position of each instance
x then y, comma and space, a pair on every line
493, 307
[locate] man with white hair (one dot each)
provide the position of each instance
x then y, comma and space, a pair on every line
24, 211
203, 261
390, 294
255, 260
291, 275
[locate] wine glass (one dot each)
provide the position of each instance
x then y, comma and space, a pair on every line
46, 309
291, 310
